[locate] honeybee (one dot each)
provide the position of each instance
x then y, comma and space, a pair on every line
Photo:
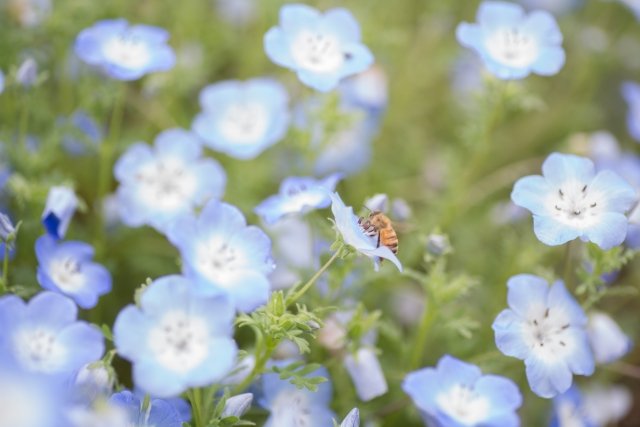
379, 224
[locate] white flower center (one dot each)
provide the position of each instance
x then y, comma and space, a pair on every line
317, 52
217, 261
166, 185
463, 404
37, 350
291, 409
67, 274
547, 332
244, 122
573, 204
179, 341
512, 47
127, 51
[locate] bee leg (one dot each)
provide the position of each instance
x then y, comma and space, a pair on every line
378, 243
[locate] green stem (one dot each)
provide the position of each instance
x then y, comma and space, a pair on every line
300, 292
419, 344
195, 397
263, 356
104, 165
5, 270
568, 264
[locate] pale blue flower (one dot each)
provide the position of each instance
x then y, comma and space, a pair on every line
631, 94
43, 335
353, 235
298, 195
290, 406
27, 73
366, 373
607, 405
608, 342
82, 133
1, 81
237, 12
159, 184
237, 406
295, 251
513, 44
545, 327
67, 268
176, 338
352, 419
322, 48
123, 51
30, 400
569, 410
242, 119
634, 6
30, 13
571, 201
558, 7
223, 254
58, 211
456, 394
367, 91
160, 413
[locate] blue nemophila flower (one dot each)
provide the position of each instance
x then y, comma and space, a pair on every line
545, 327
291, 406
352, 419
242, 119
43, 335
123, 51
27, 73
367, 91
321, 48
60, 207
514, 44
455, 393
223, 254
30, 400
608, 342
571, 201
634, 6
631, 94
82, 133
298, 195
237, 406
160, 183
29, 13
1, 81
607, 405
67, 268
558, 7
159, 413
353, 235
366, 373
176, 339
569, 410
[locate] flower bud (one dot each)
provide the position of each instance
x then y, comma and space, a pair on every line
237, 406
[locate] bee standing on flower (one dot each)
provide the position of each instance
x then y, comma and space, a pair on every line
379, 224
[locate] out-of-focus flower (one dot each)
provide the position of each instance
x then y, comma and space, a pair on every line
366, 373
367, 91
223, 254
125, 52
634, 6
93, 380
237, 406
298, 195
290, 406
557, 7
321, 48
7, 230
67, 268
571, 201
237, 12
27, 73
82, 133
176, 339
455, 393
513, 44
1, 81
60, 207
353, 235
631, 94
400, 209
30, 13
294, 251
160, 413
377, 203
608, 342
568, 410
607, 405
43, 335
159, 184
30, 400
242, 119
545, 327
352, 419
